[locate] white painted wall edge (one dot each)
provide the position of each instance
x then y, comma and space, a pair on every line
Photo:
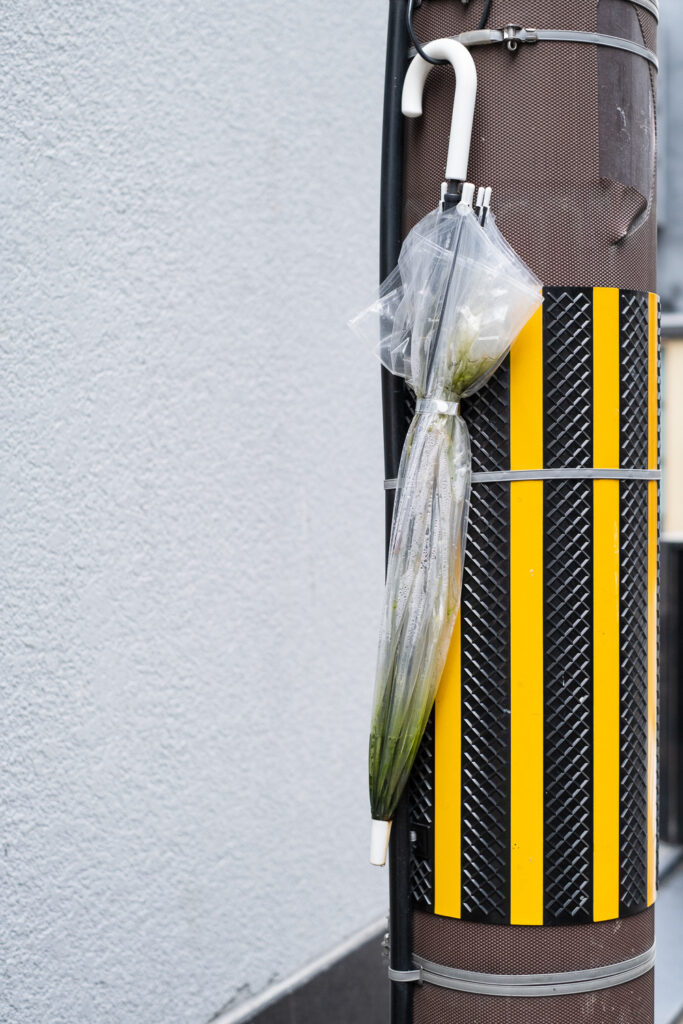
242, 1013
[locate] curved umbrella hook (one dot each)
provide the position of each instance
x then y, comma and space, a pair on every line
463, 101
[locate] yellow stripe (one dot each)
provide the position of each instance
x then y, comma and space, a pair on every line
606, 377
526, 396
447, 774
526, 696
526, 628
652, 609
606, 606
652, 695
606, 700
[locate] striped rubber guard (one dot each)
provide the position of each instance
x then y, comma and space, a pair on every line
533, 796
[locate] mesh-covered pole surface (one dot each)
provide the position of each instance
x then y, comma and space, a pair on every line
533, 798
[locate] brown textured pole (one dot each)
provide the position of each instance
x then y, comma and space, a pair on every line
564, 133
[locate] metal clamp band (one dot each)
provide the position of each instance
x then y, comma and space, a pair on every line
406, 976
566, 474
437, 405
561, 984
513, 35
510, 475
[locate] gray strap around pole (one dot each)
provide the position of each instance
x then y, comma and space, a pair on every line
513, 35
561, 984
510, 475
566, 474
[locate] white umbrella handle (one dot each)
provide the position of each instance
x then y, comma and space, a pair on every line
463, 101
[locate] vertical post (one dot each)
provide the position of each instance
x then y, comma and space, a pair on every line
540, 856
396, 407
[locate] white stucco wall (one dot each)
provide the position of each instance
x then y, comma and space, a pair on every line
192, 502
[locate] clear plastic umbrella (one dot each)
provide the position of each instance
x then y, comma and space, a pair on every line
446, 318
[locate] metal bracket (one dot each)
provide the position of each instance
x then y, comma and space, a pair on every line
406, 976
564, 983
513, 35
589, 473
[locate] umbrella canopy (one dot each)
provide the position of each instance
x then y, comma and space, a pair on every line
446, 318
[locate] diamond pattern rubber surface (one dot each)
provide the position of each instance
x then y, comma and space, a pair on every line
568, 377
659, 657
659, 388
659, 563
485, 707
633, 612
487, 414
568, 701
421, 882
422, 821
633, 374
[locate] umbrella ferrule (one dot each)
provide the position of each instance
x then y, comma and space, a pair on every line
451, 193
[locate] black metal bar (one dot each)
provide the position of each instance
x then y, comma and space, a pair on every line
396, 412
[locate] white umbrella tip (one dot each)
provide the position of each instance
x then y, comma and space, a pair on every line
467, 194
379, 841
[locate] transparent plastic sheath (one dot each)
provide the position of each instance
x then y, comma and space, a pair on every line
446, 318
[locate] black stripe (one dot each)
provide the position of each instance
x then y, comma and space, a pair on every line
633, 379
485, 664
485, 680
567, 378
633, 668
658, 638
421, 791
659, 387
487, 414
568, 701
568, 605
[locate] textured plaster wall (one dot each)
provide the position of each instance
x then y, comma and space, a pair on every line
191, 540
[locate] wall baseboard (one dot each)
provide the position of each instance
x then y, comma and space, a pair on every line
347, 984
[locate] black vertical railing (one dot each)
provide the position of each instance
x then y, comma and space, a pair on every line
396, 410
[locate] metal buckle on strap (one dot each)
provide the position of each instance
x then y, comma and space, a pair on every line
406, 976
513, 35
